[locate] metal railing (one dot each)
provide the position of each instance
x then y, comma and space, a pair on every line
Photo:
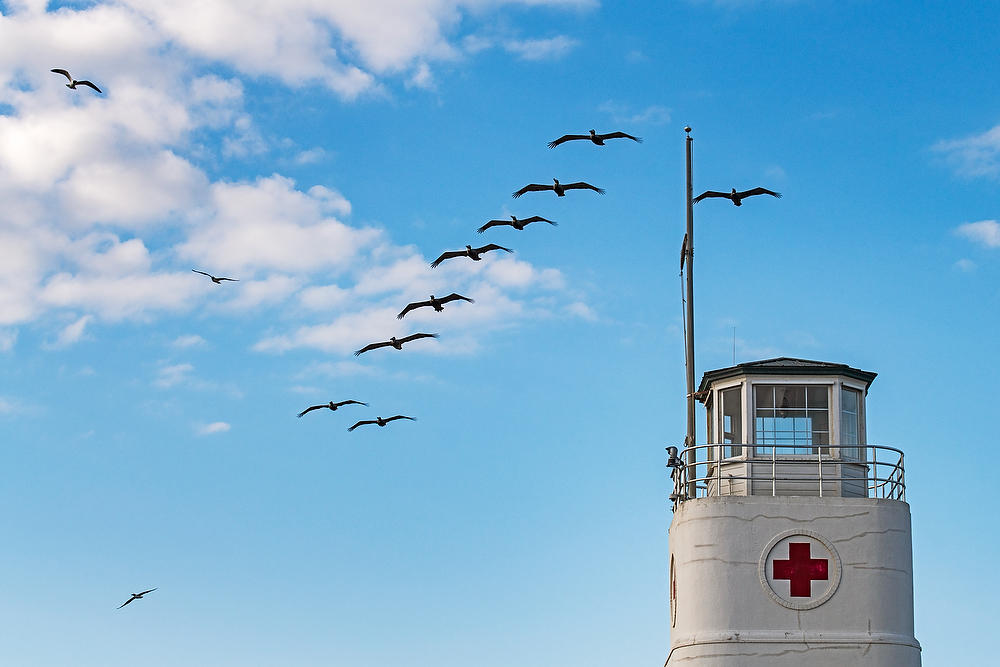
859, 471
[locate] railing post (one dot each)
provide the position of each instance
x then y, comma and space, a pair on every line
774, 471
718, 470
819, 456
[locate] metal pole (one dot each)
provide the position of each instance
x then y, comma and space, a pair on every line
690, 439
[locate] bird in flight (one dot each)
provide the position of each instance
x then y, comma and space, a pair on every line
380, 421
136, 596
434, 302
73, 83
519, 225
558, 188
217, 281
598, 139
470, 252
331, 405
736, 197
394, 342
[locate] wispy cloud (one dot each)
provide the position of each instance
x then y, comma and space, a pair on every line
172, 375
551, 48
965, 265
984, 232
210, 429
190, 340
71, 333
7, 339
975, 156
654, 114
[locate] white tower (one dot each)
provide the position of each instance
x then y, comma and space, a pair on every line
790, 542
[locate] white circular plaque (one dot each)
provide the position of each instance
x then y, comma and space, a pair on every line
799, 569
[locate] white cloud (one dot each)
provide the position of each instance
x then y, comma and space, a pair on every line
654, 114
72, 333
978, 155
214, 427
7, 406
582, 310
965, 265
7, 339
551, 48
172, 375
190, 340
984, 232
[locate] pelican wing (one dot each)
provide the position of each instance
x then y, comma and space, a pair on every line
362, 423
389, 419
758, 191
684, 250
412, 306
492, 246
311, 408
127, 601
90, 85
583, 186
567, 137
232, 280
454, 296
144, 592
415, 336
448, 255
204, 274
533, 187
494, 223
372, 346
537, 218
350, 402
711, 193
619, 135
66, 74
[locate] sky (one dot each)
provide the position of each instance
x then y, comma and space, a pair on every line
324, 154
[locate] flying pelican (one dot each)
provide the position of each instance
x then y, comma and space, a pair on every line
136, 596
217, 281
519, 225
736, 197
470, 252
380, 421
73, 83
331, 405
437, 304
598, 139
394, 342
558, 188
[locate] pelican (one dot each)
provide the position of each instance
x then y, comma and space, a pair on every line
470, 252
394, 342
331, 405
598, 139
558, 188
435, 303
736, 197
217, 281
73, 83
380, 421
136, 596
519, 225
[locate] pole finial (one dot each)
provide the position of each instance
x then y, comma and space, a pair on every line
687, 128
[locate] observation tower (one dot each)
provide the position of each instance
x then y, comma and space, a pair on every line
790, 541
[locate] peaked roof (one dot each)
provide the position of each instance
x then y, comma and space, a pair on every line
786, 366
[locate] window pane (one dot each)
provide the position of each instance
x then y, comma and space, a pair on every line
817, 397
763, 396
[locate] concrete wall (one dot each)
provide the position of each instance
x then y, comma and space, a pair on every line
725, 611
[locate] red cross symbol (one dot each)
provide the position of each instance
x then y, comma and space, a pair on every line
800, 569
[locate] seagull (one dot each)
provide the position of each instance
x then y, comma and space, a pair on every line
736, 197
394, 342
136, 596
558, 188
598, 139
519, 225
73, 83
437, 304
380, 421
470, 252
217, 281
331, 405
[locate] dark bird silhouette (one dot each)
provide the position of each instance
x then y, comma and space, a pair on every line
519, 225
394, 342
684, 252
470, 252
380, 421
598, 139
217, 281
73, 83
736, 197
331, 405
437, 304
136, 596
558, 188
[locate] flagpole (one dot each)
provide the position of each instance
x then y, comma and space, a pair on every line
690, 439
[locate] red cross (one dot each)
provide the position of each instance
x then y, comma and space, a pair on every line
800, 569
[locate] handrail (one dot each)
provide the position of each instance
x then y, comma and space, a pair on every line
860, 471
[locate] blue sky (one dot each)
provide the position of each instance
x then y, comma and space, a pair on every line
324, 154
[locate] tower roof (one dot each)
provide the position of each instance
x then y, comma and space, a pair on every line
786, 366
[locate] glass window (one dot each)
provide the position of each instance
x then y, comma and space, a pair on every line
732, 420
795, 418
850, 401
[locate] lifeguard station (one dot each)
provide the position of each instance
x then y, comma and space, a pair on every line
790, 542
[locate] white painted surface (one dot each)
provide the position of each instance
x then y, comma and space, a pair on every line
726, 612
